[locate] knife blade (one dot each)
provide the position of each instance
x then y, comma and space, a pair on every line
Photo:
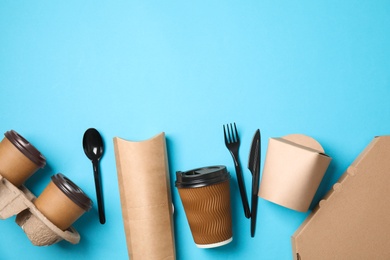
254, 167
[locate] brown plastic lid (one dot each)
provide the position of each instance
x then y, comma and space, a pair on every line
26, 148
72, 191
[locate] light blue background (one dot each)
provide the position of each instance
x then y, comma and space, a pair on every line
136, 68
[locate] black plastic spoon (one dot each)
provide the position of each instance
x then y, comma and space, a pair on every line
93, 148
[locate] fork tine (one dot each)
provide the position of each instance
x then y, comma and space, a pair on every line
230, 134
235, 128
224, 134
234, 135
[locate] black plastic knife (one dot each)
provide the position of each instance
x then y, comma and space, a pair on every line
254, 167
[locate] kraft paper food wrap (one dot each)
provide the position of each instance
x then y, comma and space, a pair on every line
293, 169
145, 193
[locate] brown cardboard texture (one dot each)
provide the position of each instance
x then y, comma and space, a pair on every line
145, 193
40, 231
293, 169
353, 220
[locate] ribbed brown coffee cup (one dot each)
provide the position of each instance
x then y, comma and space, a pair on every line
205, 194
62, 202
18, 158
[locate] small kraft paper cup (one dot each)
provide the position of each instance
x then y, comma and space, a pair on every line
18, 158
293, 169
62, 202
205, 194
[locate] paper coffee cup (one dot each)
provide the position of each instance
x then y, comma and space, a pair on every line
205, 194
62, 202
18, 158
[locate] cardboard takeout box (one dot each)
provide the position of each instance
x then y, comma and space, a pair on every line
293, 170
353, 220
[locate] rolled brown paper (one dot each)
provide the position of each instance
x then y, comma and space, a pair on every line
144, 186
293, 169
62, 202
18, 158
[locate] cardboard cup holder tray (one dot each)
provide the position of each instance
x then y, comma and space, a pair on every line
40, 231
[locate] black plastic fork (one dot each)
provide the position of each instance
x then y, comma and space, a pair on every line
232, 142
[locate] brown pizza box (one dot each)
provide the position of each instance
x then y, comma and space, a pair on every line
353, 220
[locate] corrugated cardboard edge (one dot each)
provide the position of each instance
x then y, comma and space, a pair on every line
351, 170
